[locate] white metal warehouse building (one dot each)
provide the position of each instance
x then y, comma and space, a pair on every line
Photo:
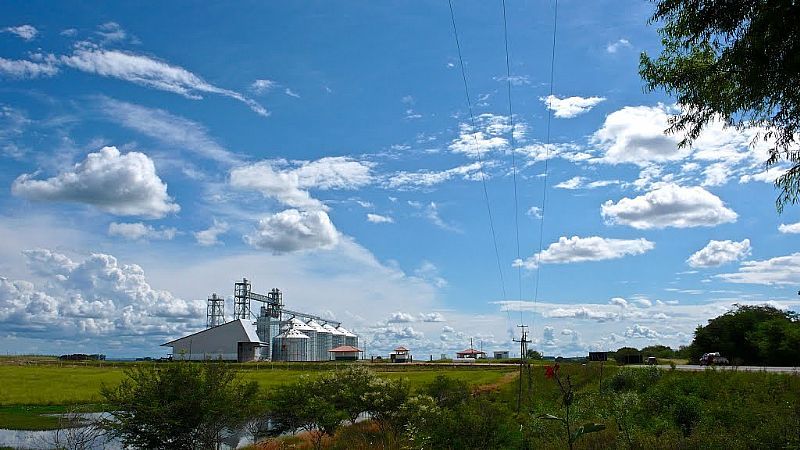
233, 341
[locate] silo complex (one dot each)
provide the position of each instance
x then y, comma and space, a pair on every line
277, 333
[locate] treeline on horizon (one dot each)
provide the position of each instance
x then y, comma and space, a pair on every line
757, 335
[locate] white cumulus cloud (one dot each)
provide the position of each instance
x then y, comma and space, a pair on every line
97, 296
26, 32
400, 317
121, 184
635, 135
614, 47
669, 205
781, 270
431, 317
210, 236
290, 184
792, 228
641, 332
377, 218
292, 230
592, 248
140, 231
717, 253
569, 107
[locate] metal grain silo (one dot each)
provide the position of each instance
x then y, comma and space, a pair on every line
324, 341
297, 324
291, 345
350, 338
337, 337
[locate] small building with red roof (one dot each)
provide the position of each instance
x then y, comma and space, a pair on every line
400, 355
345, 353
471, 353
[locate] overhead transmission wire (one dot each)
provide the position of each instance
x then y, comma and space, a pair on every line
478, 151
547, 156
513, 156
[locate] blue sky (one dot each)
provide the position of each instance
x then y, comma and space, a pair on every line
154, 155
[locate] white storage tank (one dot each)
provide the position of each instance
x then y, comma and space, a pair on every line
324, 340
297, 324
350, 338
291, 345
337, 337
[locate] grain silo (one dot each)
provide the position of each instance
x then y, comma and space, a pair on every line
350, 338
324, 341
291, 345
337, 337
297, 324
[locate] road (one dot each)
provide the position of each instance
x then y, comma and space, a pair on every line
691, 368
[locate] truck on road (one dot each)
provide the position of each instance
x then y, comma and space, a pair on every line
713, 359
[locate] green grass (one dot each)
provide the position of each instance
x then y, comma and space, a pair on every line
52, 385
31, 391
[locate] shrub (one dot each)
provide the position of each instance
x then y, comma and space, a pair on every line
178, 406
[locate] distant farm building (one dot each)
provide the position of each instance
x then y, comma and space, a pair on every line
345, 353
471, 353
501, 354
400, 355
598, 356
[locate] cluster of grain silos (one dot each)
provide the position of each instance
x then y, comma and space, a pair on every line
305, 340
282, 334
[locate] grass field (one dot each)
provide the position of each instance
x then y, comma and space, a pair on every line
28, 391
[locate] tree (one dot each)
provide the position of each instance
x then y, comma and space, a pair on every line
350, 386
751, 335
178, 406
626, 355
659, 351
533, 354
447, 392
735, 60
307, 404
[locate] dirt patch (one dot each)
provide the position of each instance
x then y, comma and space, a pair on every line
494, 387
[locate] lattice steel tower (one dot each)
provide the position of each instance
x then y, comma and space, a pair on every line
241, 299
215, 311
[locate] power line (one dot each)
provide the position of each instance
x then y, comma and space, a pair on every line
513, 151
478, 150
547, 156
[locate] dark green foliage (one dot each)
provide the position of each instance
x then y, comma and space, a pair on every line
533, 354
751, 335
625, 354
178, 406
736, 60
450, 418
447, 392
633, 379
659, 351
320, 405
310, 404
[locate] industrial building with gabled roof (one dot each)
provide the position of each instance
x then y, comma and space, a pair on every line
232, 341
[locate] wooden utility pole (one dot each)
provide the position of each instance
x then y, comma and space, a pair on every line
523, 357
